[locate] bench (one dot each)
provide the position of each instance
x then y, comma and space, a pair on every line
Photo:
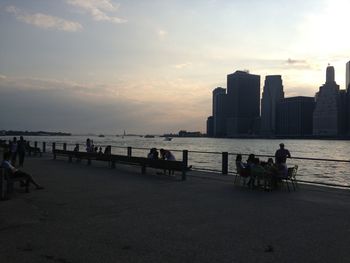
35, 150
7, 184
130, 160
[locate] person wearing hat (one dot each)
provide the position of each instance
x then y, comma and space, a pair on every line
281, 156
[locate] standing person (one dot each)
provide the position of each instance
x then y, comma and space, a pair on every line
13, 150
281, 156
21, 149
88, 145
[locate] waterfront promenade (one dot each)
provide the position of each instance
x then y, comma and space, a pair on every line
97, 214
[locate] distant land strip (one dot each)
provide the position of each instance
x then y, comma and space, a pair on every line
33, 133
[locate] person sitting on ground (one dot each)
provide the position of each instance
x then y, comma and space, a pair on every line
15, 173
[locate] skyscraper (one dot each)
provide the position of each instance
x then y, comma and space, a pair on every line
272, 94
347, 77
219, 113
210, 126
347, 87
294, 116
325, 117
243, 103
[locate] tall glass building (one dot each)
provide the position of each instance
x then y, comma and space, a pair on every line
243, 103
272, 94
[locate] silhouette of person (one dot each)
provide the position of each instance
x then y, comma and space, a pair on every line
21, 149
14, 172
281, 156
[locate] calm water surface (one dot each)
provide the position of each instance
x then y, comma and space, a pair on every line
315, 171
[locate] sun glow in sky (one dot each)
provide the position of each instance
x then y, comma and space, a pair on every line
150, 66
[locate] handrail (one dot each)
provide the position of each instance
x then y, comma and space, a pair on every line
224, 156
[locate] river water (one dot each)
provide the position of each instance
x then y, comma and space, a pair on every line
314, 171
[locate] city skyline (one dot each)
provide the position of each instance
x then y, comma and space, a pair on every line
150, 67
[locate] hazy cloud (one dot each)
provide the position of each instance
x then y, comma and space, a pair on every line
98, 9
43, 20
45, 104
297, 63
183, 65
162, 33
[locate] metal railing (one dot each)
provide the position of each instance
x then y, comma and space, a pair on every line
222, 157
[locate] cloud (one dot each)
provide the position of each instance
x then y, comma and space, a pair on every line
43, 20
183, 65
140, 106
301, 64
98, 9
162, 33
294, 61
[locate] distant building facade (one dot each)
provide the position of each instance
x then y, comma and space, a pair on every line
326, 114
219, 112
210, 126
294, 116
343, 106
347, 77
347, 87
272, 94
243, 103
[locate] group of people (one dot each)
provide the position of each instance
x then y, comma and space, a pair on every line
17, 148
91, 148
270, 170
164, 155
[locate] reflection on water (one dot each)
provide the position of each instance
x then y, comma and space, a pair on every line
317, 171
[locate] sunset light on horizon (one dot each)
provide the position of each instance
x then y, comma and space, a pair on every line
149, 67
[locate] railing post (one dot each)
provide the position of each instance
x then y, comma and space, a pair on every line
129, 151
64, 146
35, 147
185, 157
29, 149
53, 150
44, 147
185, 164
225, 163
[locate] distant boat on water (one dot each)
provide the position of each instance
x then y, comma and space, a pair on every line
149, 136
101, 136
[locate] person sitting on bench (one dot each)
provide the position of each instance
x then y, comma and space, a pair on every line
15, 173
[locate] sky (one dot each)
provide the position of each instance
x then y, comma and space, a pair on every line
105, 66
